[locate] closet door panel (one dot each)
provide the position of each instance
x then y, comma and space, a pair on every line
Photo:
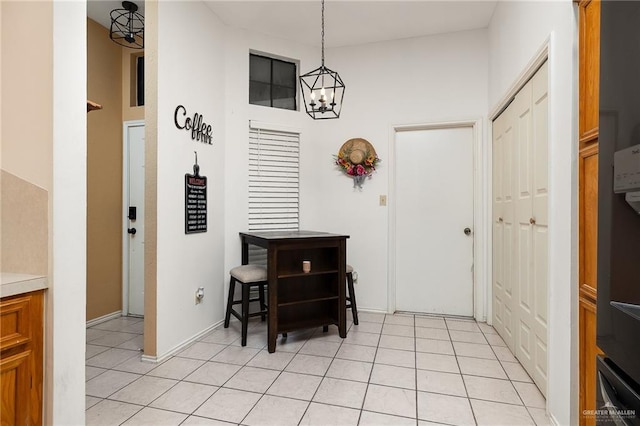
508, 243
503, 206
524, 286
498, 228
540, 215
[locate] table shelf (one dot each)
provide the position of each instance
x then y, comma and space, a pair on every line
314, 300
306, 274
291, 325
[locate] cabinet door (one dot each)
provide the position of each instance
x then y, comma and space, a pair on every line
21, 353
16, 383
589, 69
588, 352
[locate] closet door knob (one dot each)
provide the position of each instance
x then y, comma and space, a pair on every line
499, 219
532, 221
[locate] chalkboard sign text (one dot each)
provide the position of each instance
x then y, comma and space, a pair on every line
195, 203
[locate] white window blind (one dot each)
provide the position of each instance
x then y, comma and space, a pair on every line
273, 184
273, 180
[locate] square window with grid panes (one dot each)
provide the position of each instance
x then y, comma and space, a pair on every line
272, 82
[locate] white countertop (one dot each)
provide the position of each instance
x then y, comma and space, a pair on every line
12, 283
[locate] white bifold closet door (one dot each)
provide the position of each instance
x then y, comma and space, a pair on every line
520, 226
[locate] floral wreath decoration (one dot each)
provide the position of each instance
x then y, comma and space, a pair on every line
357, 158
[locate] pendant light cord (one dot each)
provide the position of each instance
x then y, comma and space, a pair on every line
322, 33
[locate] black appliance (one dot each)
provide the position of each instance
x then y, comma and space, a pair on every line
618, 327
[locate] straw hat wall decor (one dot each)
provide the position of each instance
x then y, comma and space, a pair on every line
357, 158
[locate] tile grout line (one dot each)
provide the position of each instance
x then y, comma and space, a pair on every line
373, 364
455, 352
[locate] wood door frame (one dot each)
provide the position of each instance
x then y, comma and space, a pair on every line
480, 210
126, 125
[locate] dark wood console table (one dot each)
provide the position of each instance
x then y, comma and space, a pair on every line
297, 299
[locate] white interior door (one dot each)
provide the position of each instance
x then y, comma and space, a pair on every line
134, 210
434, 205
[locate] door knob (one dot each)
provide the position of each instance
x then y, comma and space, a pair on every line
132, 231
532, 221
467, 231
500, 219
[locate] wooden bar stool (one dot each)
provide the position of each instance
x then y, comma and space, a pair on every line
351, 298
248, 276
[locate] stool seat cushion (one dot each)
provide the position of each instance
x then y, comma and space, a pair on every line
349, 268
249, 273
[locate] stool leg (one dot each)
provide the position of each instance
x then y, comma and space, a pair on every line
232, 289
263, 306
245, 313
352, 296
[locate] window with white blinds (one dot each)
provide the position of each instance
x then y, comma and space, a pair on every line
273, 180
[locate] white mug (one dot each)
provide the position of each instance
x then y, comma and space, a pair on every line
306, 266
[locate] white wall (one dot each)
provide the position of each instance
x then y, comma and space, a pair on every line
238, 113
190, 73
412, 81
68, 290
517, 31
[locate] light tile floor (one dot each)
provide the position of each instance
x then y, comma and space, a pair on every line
390, 370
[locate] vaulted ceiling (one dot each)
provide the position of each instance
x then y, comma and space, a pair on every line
346, 22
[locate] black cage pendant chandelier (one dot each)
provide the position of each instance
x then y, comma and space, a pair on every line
322, 89
127, 26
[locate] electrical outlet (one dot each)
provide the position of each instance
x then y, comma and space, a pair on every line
199, 295
383, 200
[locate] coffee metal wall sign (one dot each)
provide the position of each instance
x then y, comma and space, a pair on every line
200, 131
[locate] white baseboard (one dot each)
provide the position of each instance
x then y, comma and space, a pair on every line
372, 311
160, 358
104, 318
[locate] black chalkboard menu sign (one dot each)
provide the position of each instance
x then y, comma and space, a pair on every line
195, 202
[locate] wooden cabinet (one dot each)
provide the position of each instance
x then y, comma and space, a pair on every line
302, 300
589, 80
21, 330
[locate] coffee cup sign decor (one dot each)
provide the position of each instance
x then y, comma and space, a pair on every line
357, 159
